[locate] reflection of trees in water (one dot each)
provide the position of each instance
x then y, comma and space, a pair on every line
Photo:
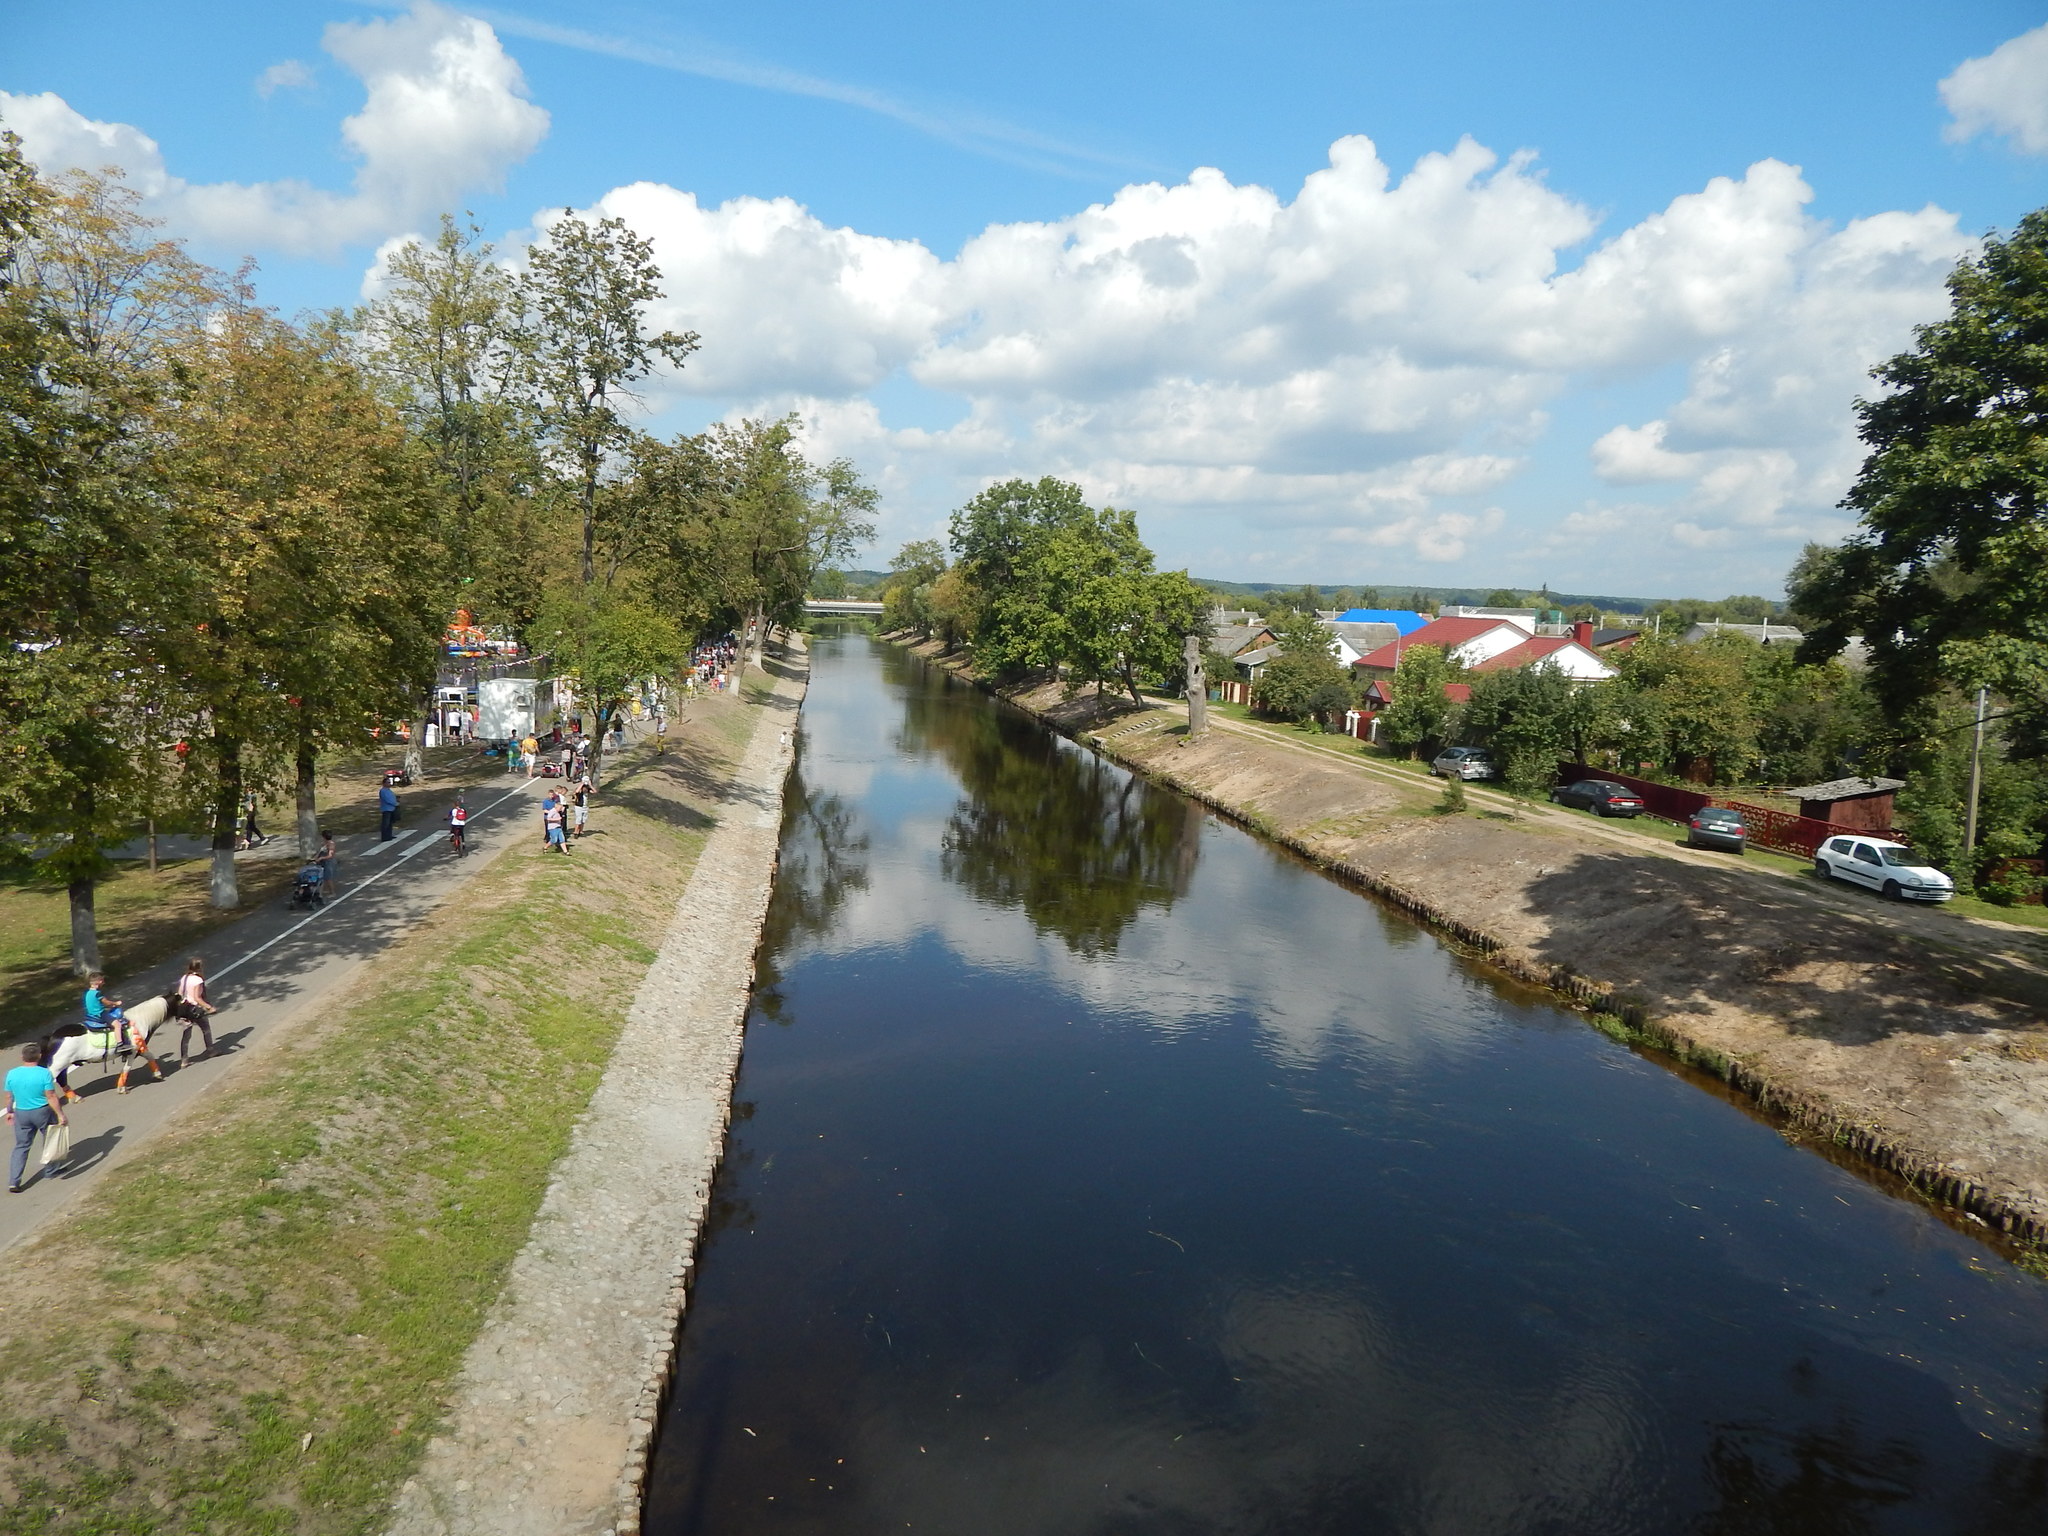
823, 862
1824, 1482
1806, 1482
1079, 846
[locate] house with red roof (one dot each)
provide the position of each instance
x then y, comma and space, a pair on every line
1466, 640
1570, 654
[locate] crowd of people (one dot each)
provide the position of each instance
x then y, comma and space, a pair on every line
36, 1092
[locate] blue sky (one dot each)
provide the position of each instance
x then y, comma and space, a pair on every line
1593, 348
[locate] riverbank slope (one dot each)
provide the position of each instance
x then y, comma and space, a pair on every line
1917, 1046
260, 1323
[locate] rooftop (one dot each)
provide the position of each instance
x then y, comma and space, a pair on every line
1845, 789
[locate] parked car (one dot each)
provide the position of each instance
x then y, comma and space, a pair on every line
1462, 763
1602, 795
1892, 868
1715, 826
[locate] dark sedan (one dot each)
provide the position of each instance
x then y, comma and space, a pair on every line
1713, 826
1602, 795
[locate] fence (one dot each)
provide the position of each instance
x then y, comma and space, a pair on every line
1780, 831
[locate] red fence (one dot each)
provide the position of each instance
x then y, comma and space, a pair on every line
1780, 831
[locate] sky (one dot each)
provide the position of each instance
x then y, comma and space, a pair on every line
1444, 292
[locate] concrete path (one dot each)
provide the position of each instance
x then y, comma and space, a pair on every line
264, 972
553, 1416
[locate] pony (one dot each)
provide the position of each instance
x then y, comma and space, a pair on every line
132, 1031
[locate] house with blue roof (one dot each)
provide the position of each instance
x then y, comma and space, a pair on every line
1407, 623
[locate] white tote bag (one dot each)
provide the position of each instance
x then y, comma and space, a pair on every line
56, 1142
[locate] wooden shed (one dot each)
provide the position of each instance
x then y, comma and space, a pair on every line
1862, 804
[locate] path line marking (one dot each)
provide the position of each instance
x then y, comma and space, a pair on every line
381, 844
359, 885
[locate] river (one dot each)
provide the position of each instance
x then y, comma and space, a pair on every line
1099, 1168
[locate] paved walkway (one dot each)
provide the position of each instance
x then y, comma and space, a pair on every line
265, 971
558, 1393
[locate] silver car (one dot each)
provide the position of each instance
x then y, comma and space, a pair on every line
1462, 763
1891, 868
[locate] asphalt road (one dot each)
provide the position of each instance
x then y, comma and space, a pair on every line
267, 973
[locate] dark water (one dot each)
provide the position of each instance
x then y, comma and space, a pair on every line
1103, 1171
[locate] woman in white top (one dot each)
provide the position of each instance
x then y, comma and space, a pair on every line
194, 1011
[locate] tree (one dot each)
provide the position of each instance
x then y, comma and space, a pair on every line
314, 520
1500, 597
441, 340
906, 595
1305, 685
93, 311
1420, 716
585, 344
1690, 707
1524, 716
1955, 485
609, 644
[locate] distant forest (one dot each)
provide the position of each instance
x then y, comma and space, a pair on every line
1261, 594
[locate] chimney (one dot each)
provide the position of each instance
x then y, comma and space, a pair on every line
1582, 632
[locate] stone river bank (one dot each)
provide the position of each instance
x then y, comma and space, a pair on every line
1911, 1040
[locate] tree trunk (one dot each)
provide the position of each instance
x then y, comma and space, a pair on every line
589, 499
227, 809
1197, 686
415, 750
85, 931
307, 805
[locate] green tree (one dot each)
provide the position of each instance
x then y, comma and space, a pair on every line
1697, 700
1305, 685
1525, 718
1420, 718
314, 520
582, 331
1953, 486
610, 645
906, 595
94, 309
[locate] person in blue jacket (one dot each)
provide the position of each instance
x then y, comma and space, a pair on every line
387, 812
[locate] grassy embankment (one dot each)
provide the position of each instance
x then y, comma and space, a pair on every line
145, 917
255, 1328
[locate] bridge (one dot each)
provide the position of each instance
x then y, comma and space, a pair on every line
839, 605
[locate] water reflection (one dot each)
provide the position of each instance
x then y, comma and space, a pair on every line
1078, 846
822, 865
1220, 1204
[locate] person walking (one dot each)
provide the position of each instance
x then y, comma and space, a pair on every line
530, 750
32, 1106
387, 812
551, 819
330, 865
549, 806
579, 807
252, 835
194, 1011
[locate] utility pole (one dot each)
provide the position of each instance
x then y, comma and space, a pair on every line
1976, 775
1198, 687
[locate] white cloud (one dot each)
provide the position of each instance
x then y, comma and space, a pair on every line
285, 75
2005, 92
445, 114
1365, 367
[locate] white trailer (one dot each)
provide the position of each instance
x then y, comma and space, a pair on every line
505, 708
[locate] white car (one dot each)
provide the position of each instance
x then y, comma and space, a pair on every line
1462, 763
1892, 868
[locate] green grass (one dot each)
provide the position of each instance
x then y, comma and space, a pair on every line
313, 1255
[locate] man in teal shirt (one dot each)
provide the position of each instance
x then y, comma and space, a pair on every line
32, 1106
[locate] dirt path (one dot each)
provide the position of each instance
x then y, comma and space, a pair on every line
1911, 1034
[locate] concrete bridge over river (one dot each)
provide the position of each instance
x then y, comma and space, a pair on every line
839, 605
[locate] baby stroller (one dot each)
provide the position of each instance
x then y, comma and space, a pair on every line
306, 889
